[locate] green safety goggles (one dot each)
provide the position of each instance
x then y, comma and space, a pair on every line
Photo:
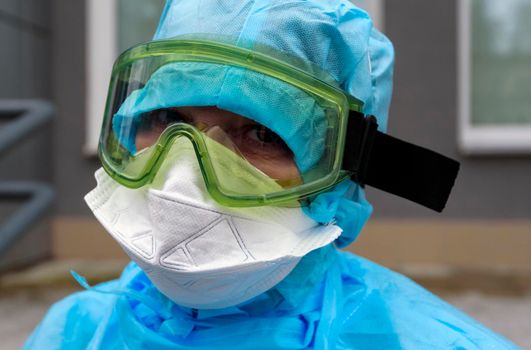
264, 132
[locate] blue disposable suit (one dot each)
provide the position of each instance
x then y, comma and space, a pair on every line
346, 302
332, 299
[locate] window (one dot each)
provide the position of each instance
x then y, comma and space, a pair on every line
115, 25
495, 76
112, 27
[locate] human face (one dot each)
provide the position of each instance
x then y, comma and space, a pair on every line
256, 143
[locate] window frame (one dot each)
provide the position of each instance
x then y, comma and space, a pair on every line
101, 48
481, 139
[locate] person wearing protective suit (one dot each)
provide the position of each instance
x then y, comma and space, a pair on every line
235, 149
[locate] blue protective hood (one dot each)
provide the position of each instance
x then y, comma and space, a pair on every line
289, 112
334, 36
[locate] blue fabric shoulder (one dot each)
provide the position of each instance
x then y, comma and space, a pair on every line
72, 322
396, 313
81, 319
354, 304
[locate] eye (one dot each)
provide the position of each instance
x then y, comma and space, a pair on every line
264, 135
262, 141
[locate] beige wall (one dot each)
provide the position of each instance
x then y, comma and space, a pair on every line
407, 244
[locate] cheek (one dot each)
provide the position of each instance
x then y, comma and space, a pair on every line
284, 171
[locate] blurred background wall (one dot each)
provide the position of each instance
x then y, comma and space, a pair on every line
25, 72
487, 223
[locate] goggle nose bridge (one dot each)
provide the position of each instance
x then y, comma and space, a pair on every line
169, 136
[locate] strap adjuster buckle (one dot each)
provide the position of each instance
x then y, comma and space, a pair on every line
360, 139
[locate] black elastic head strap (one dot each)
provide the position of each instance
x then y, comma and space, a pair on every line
395, 166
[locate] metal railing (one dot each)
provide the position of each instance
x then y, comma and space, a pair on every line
20, 118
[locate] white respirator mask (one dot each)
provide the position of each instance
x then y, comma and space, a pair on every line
196, 252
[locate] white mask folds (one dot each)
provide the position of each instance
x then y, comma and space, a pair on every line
196, 252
